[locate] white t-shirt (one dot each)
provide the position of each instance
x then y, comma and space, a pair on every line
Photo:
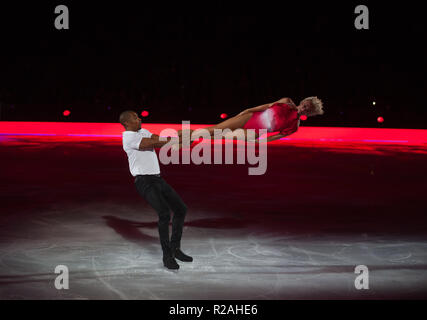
140, 161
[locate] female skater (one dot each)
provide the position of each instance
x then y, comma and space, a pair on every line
281, 116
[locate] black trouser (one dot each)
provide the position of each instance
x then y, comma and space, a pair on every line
162, 197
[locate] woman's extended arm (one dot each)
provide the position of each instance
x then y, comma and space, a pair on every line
268, 105
271, 138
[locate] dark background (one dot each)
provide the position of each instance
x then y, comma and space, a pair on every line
196, 60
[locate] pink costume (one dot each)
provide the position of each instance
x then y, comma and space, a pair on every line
279, 117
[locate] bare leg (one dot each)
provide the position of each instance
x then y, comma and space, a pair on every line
233, 123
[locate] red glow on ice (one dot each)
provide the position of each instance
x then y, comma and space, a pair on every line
334, 135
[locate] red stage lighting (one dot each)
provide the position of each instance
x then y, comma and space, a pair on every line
144, 113
303, 135
380, 119
223, 115
303, 117
66, 113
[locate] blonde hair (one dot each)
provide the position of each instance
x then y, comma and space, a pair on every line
315, 106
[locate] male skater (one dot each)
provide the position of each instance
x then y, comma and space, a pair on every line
139, 145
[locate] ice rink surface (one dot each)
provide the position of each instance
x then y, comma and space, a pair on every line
297, 232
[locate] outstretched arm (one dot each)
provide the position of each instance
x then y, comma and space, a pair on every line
279, 135
271, 138
268, 105
154, 142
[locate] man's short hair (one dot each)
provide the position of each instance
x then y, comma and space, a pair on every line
125, 116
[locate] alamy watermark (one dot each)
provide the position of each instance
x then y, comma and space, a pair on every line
62, 20
202, 152
362, 280
62, 280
